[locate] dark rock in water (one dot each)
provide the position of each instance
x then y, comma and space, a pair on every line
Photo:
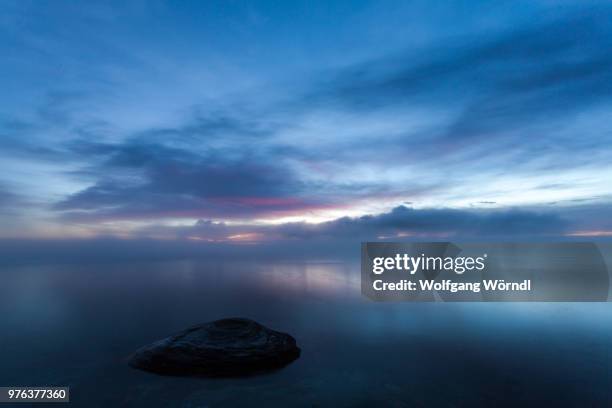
227, 347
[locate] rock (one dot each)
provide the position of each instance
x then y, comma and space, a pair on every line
227, 347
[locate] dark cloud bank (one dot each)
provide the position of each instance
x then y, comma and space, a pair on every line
147, 180
338, 239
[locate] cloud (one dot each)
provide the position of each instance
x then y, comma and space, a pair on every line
148, 180
508, 99
565, 57
204, 125
404, 221
398, 224
490, 90
509, 112
334, 240
8, 198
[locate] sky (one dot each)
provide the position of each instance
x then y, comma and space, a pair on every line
244, 122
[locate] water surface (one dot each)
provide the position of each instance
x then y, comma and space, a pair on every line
76, 324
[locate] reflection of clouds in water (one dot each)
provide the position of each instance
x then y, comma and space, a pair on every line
46, 296
312, 278
31, 299
306, 278
337, 282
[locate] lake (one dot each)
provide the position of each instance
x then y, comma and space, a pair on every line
76, 324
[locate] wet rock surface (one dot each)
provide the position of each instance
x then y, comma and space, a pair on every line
227, 347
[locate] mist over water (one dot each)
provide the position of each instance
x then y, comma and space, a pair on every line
76, 323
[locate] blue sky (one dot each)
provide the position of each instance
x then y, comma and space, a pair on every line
249, 121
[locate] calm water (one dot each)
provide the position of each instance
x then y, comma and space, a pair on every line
76, 324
